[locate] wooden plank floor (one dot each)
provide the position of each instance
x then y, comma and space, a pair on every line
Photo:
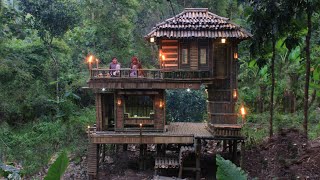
195, 129
176, 133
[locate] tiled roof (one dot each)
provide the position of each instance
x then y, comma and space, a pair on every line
198, 23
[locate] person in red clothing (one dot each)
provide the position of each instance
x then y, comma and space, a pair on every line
136, 68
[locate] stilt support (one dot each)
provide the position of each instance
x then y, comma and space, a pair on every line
198, 156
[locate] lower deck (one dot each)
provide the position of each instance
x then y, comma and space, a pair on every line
175, 133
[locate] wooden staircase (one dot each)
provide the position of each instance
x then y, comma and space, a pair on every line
92, 161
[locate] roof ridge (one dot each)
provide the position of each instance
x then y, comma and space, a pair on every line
197, 9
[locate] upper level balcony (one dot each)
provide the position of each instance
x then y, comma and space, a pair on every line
126, 78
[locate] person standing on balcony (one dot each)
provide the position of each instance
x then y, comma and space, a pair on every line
134, 67
116, 66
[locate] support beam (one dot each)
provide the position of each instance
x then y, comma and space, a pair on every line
143, 149
234, 151
198, 156
242, 152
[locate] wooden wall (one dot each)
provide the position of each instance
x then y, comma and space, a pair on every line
221, 103
194, 57
170, 49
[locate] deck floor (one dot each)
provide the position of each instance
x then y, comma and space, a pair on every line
195, 129
176, 133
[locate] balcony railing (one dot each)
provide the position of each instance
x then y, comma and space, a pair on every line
149, 74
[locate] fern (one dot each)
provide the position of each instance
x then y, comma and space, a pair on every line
229, 171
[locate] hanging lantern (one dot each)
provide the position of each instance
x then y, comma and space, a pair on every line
235, 94
223, 40
235, 55
161, 104
119, 102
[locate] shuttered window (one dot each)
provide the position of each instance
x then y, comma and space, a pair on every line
184, 56
203, 55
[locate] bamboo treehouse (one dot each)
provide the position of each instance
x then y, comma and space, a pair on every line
196, 47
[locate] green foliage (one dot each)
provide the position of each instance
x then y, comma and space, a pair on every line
51, 18
33, 121
33, 144
58, 168
228, 171
185, 106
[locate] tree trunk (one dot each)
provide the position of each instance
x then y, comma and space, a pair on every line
306, 87
57, 71
272, 86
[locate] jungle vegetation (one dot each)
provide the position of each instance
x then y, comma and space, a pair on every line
43, 46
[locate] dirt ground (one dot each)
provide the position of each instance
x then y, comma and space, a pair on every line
286, 156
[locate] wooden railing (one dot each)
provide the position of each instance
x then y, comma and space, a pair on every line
149, 73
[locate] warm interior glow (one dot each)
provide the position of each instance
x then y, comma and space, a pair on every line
119, 102
223, 40
243, 110
235, 55
235, 94
152, 39
140, 125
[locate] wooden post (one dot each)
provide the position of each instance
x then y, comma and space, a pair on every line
242, 153
97, 157
99, 112
230, 147
144, 156
198, 156
103, 152
125, 147
141, 157
224, 145
234, 151
158, 149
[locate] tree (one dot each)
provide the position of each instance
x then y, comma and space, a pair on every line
301, 11
265, 26
52, 19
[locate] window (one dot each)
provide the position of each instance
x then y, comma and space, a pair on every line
203, 55
184, 56
138, 106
